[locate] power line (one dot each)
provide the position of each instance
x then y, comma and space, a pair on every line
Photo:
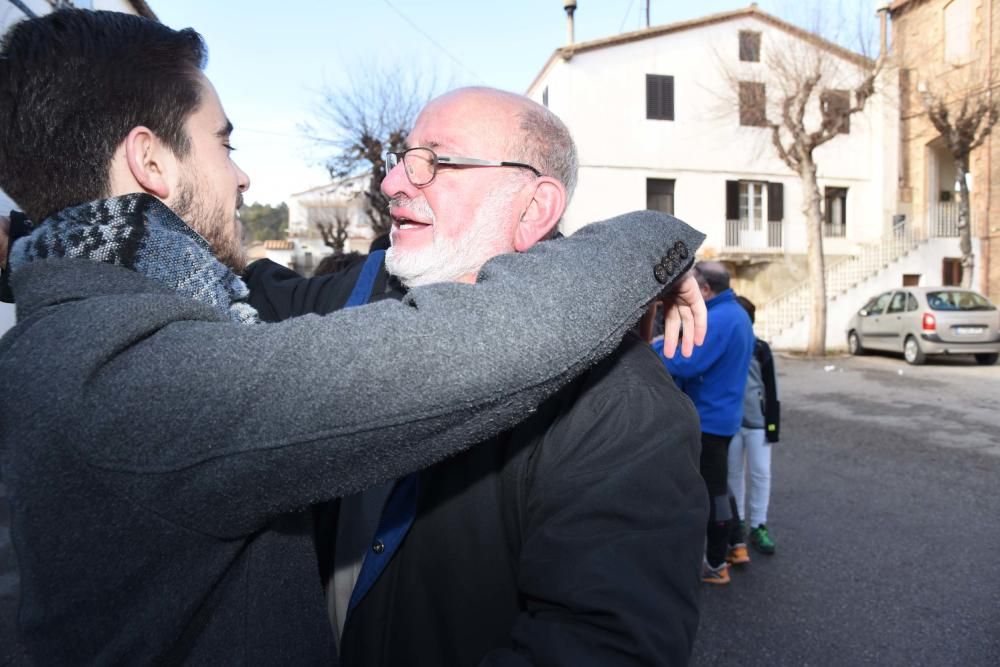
24, 8
627, 11
431, 40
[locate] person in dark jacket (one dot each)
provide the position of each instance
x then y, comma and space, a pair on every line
158, 441
750, 450
573, 538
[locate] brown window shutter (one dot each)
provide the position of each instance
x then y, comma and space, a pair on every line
775, 202
732, 200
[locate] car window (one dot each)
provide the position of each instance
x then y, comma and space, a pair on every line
911, 303
877, 305
898, 303
958, 300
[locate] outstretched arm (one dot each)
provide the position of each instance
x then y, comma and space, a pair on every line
318, 407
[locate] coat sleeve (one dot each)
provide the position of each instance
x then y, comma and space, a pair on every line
614, 528
277, 292
221, 427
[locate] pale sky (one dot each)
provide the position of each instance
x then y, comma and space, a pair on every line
269, 59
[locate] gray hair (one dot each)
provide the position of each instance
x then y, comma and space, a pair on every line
712, 274
546, 144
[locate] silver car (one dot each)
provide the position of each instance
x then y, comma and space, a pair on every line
921, 321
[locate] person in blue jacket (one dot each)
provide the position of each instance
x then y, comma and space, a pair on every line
714, 378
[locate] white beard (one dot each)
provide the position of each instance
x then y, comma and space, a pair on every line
448, 259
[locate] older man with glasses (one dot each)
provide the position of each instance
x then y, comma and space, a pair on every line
574, 538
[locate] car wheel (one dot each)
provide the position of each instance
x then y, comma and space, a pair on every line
912, 352
854, 345
987, 358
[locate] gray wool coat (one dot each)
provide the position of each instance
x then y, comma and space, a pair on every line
157, 455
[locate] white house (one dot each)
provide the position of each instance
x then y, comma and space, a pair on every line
337, 202
12, 15
671, 118
656, 117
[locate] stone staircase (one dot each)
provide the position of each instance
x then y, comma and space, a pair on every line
790, 308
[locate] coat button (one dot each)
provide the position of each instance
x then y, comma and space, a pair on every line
661, 274
681, 249
378, 546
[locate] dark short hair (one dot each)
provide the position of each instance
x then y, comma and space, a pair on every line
748, 306
73, 84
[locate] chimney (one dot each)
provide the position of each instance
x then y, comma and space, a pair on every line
570, 7
883, 18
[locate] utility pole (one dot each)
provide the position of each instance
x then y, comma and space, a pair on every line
647, 3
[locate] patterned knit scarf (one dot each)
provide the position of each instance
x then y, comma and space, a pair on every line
140, 233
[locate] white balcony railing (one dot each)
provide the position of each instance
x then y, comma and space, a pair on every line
834, 231
943, 219
743, 236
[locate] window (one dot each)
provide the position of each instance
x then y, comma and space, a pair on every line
957, 31
659, 97
878, 304
911, 303
835, 104
545, 97
898, 303
752, 202
835, 212
951, 271
958, 300
660, 195
749, 46
754, 213
753, 103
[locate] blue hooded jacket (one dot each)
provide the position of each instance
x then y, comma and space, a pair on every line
715, 375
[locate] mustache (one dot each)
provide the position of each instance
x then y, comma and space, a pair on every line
419, 206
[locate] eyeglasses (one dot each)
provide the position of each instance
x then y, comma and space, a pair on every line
421, 164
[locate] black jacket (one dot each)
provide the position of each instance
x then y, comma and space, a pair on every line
771, 405
575, 539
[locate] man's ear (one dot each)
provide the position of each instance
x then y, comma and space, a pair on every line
544, 209
150, 161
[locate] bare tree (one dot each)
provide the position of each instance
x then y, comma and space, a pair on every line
333, 227
964, 121
805, 97
360, 121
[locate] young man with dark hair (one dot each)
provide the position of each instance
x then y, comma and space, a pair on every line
158, 442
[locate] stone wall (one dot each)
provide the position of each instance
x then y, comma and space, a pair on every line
918, 48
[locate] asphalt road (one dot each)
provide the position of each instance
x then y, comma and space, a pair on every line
885, 508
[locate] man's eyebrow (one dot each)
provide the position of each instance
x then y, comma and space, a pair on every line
226, 130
